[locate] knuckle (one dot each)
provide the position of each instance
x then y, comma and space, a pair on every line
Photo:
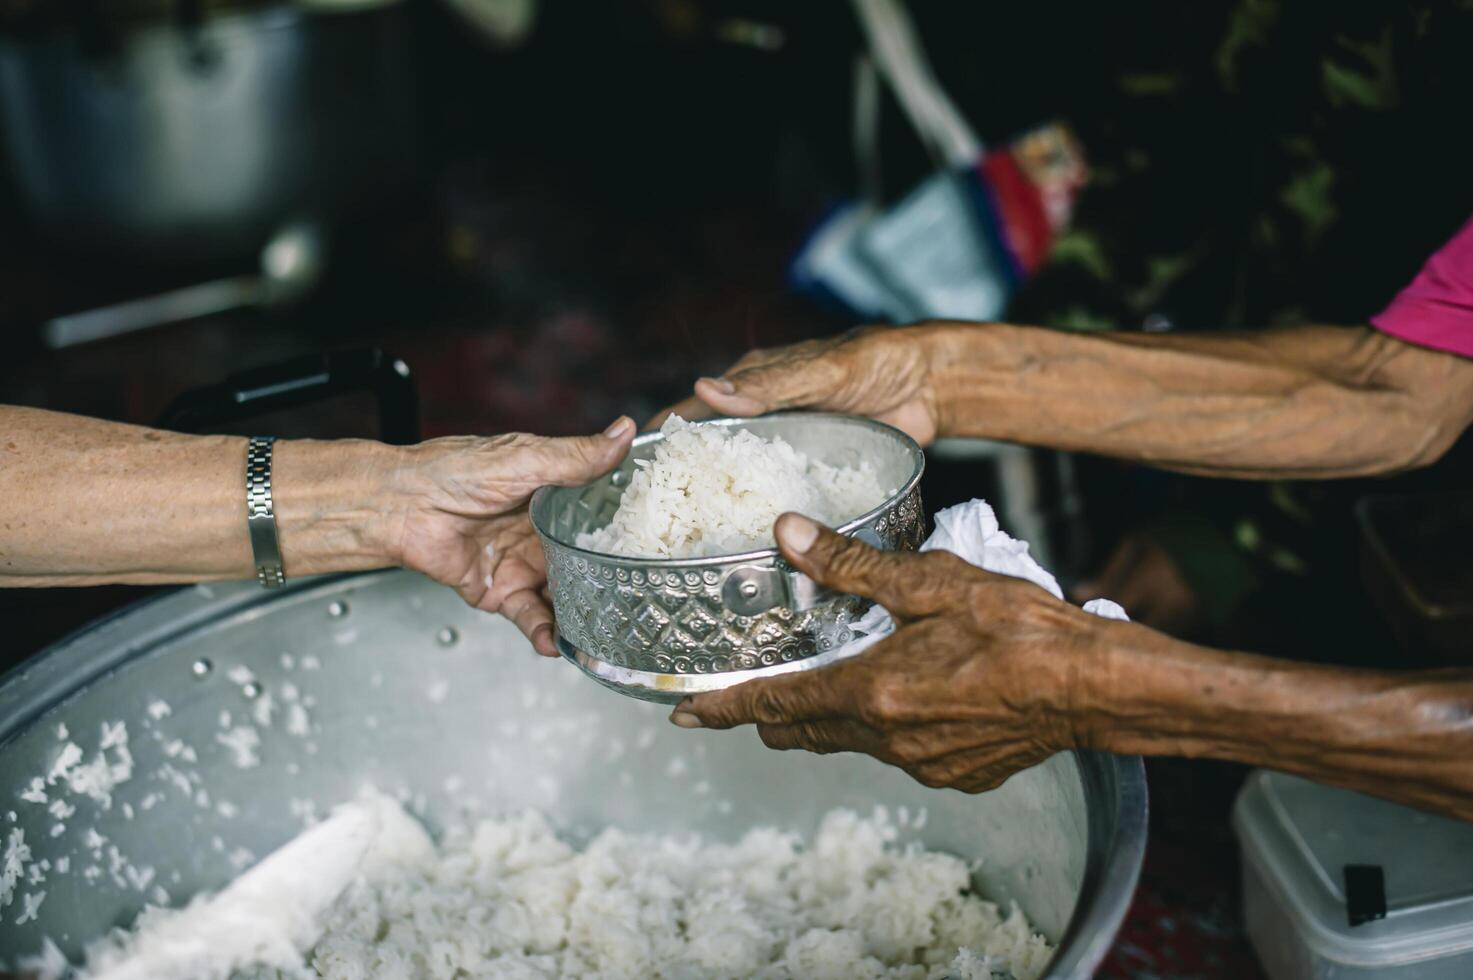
948, 577
987, 783
1005, 599
930, 776
882, 703
813, 738
897, 750
504, 440
755, 356
768, 706
865, 695
949, 565
529, 619
1028, 601
913, 747
521, 441
855, 561
983, 780
572, 448
981, 606
716, 711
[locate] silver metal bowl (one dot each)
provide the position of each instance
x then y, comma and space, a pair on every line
660, 629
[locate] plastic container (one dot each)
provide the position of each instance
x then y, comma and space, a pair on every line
1297, 839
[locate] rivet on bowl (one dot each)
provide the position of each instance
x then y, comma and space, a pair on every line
201, 667
337, 608
251, 690
447, 636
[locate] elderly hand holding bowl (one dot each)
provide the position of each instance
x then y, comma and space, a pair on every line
87, 502
987, 675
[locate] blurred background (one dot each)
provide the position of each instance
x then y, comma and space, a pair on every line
554, 212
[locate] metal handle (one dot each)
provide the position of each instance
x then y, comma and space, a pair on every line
303, 381
191, 302
750, 590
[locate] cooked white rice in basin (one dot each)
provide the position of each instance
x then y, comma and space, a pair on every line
508, 898
713, 490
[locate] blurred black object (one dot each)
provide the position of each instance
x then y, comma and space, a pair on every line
1415, 552
301, 382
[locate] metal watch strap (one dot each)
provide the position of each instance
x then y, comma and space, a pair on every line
260, 515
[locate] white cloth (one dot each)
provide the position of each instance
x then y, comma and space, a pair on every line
970, 531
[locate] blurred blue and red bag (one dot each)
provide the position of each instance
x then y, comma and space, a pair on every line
958, 245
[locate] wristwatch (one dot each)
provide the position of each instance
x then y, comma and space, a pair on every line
260, 514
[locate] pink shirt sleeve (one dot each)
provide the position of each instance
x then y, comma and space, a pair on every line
1436, 310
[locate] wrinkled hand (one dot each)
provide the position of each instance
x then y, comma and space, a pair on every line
465, 524
973, 686
881, 372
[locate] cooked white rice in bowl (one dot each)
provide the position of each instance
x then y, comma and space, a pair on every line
715, 490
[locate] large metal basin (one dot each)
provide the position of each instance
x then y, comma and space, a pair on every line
412, 691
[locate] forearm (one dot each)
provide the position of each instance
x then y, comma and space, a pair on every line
84, 502
1403, 736
1306, 402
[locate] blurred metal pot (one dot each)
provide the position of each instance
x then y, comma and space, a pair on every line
193, 138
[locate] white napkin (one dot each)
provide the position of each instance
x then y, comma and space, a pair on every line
970, 531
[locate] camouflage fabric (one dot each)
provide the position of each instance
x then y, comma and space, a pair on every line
1255, 163
1295, 163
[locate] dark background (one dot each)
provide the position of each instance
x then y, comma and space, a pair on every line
602, 214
